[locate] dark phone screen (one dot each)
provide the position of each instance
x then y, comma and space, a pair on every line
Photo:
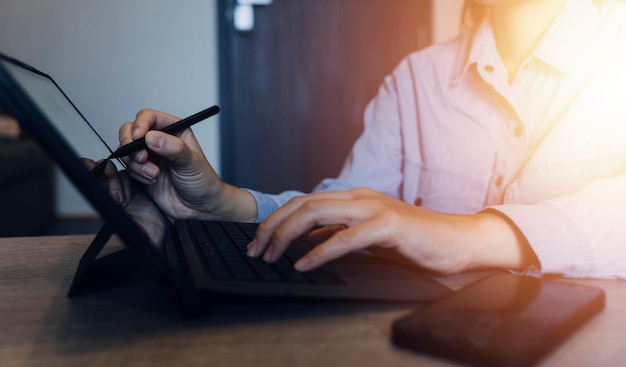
504, 320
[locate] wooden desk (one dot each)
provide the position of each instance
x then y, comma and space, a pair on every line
135, 324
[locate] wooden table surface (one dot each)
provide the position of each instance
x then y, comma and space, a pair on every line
135, 323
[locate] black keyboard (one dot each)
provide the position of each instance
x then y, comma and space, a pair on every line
224, 246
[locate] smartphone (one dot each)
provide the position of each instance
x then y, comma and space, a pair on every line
502, 320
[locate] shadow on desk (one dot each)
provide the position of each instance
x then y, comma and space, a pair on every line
139, 312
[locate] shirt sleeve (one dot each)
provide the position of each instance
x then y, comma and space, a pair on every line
268, 203
582, 234
376, 158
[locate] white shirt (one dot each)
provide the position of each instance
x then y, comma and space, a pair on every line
447, 131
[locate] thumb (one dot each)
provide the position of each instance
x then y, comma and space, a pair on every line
171, 148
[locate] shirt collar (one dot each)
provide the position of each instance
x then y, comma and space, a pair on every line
558, 47
570, 30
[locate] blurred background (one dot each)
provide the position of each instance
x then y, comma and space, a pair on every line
292, 78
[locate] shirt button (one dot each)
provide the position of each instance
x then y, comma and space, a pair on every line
489, 68
418, 202
519, 131
499, 181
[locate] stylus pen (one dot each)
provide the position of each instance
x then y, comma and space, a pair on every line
172, 129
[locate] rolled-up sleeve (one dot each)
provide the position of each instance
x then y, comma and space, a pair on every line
580, 234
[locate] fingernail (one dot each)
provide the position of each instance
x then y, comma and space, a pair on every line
302, 264
252, 248
154, 141
139, 156
118, 197
268, 254
148, 171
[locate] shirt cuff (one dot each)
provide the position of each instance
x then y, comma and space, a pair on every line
266, 204
559, 244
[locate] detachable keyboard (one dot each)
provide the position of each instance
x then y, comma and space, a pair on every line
224, 246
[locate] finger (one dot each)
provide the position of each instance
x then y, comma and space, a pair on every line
125, 137
310, 214
270, 224
139, 164
295, 203
113, 183
265, 231
124, 133
145, 121
357, 237
164, 145
146, 173
127, 187
148, 119
172, 148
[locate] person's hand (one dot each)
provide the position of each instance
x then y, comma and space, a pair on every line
126, 193
440, 242
115, 182
177, 174
9, 127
